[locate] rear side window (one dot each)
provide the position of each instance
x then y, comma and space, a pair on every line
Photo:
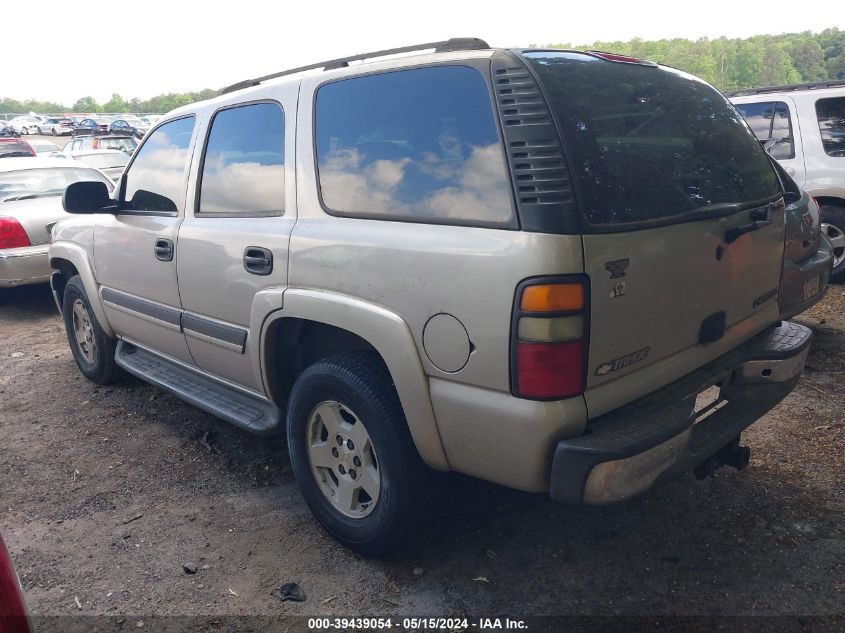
650, 144
772, 125
416, 145
243, 170
831, 116
155, 181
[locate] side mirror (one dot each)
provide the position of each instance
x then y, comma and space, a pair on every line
87, 197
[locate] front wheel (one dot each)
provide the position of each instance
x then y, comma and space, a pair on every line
93, 349
833, 226
352, 453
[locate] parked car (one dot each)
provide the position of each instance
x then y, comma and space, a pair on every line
7, 131
808, 253
10, 147
89, 127
14, 615
313, 253
803, 127
56, 127
30, 203
25, 124
43, 148
150, 119
109, 161
124, 143
131, 127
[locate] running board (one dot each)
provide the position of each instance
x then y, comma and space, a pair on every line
249, 412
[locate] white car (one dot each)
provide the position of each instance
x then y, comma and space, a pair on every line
43, 147
26, 124
803, 127
57, 126
111, 162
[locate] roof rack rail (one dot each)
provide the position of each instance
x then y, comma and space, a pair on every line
454, 44
816, 85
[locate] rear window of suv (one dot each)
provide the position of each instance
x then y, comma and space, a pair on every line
651, 145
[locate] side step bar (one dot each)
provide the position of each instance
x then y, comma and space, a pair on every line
251, 413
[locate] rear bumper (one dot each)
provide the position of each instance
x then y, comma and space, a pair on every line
21, 266
627, 451
791, 299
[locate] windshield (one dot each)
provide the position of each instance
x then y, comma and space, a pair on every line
38, 183
19, 148
42, 147
649, 143
104, 161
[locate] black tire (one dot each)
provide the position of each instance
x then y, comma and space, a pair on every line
361, 383
102, 369
835, 216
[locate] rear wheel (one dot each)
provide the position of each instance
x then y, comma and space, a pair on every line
352, 453
833, 226
93, 349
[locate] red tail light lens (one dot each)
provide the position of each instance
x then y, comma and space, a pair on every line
12, 234
549, 338
13, 615
550, 370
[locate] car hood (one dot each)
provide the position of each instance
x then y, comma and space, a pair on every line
36, 216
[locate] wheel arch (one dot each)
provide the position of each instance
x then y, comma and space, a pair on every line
68, 260
315, 324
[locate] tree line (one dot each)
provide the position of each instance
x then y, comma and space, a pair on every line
762, 60
728, 64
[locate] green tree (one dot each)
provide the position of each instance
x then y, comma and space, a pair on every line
115, 104
87, 104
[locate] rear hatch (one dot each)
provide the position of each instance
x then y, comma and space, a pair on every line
682, 219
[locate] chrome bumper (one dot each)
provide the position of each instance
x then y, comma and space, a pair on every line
661, 436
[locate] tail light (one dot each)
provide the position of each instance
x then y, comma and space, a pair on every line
12, 234
95, 143
13, 615
549, 338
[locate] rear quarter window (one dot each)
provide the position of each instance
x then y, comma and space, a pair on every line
831, 116
416, 145
650, 144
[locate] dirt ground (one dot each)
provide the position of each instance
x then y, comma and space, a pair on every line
106, 492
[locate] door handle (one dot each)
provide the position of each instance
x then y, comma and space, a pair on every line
258, 260
164, 250
790, 171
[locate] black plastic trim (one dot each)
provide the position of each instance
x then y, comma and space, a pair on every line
517, 312
226, 333
540, 173
147, 308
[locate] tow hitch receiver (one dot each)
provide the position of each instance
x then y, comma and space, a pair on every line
731, 454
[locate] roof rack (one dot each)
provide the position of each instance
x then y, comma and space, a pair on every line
446, 46
817, 85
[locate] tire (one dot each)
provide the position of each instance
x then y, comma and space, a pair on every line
40, 131
54, 132
94, 356
343, 396
833, 225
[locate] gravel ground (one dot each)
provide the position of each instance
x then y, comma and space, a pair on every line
106, 492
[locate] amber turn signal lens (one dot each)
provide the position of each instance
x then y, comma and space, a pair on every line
552, 298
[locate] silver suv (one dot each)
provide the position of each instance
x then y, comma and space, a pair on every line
550, 269
803, 127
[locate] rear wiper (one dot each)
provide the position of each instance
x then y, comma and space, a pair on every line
759, 219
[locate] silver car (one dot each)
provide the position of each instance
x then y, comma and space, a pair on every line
30, 204
111, 162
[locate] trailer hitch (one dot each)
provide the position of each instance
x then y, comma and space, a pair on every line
731, 454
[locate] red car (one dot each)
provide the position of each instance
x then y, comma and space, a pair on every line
14, 617
15, 147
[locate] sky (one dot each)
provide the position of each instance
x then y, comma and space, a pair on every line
142, 49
